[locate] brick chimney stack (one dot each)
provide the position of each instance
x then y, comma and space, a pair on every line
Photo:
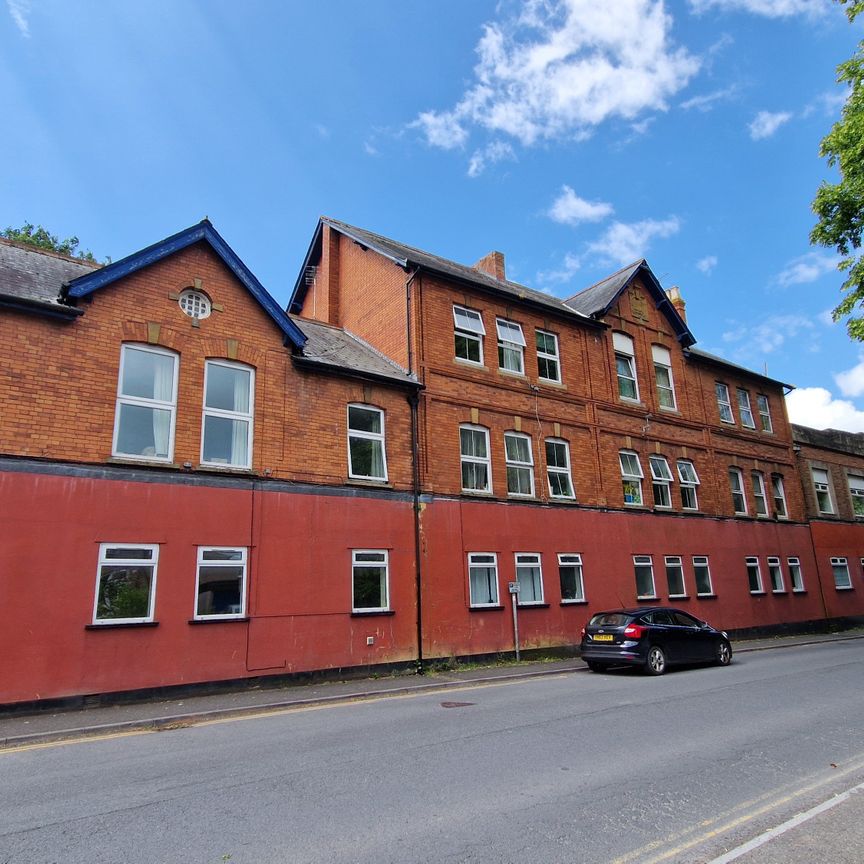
493, 264
675, 298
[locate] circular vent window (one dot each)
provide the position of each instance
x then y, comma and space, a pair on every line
194, 303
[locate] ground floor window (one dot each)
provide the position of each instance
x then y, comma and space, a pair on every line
754, 575
570, 574
795, 575
125, 583
220, 589
675, 576
644, 571
842, 579
530, 579
702, 575
775, 573
369, 577
483, 578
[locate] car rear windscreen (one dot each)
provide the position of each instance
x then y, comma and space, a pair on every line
609, 619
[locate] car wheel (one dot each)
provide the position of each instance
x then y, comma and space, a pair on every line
594, 666
655, 664
724, 653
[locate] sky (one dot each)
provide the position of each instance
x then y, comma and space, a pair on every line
573, 136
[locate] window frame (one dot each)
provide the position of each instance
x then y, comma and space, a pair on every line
856, 493
844, 562
360, 434
624, 349
477, 460
724, 402
574, 560
493, 564
470, 334
557, 470
515, 346
355, 565
525, 563
669, 561
688, 485
826, 490
519, 466
739, 476
554, 359
776, 570
753, 561
763, 407
660, 482
794, 565
699, 561
644, 561
631, 478
145, 402
662, 360
247, 417
745, 411
104, 561
778, 493
244, 577
757, 481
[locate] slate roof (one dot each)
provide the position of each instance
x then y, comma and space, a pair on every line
33, 278
719, 361
407, 257
337, 349
598, 298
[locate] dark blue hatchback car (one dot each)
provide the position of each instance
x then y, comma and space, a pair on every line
651, 637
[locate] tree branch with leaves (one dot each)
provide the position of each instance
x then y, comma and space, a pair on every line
42, 238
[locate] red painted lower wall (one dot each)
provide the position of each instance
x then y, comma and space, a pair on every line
840, 540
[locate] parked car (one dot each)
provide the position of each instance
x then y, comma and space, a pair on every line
651, 637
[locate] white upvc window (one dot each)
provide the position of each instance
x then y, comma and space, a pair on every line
483, 579
229, 401
663, 376
370, 580
778, 493
661, 480
220, 583
754, 575
744, 409
643, 570
468, 335
764, 412
125, 583
146, 408
367, 452
511, 346
736, 484
675, 576
702, 576
625, 366
775, 574
548, 358
856, 490
689, 480
529, 575
760, 502
476, 462
520, 464
724, 405
558, 469
570, 576
840, 569
631, 477
821, 485
796, 577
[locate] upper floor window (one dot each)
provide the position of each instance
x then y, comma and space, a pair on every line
511, 346
144, 418
476, 464
764, 413
570, 576
483, 579
530, 578
759, 500
195, 304
520, 464
840, 569
663, 376
689, 480
220, 590
625, 364
856, 490
548, 361
724, 406
822, 488
736, 483
631, 477
661, 481
744, 409
228, 407
558, 469
125, 583
469, 334
367, 455
369, 580
779, 496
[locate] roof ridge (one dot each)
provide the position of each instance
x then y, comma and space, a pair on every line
632, 264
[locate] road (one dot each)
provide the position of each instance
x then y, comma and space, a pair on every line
570, 768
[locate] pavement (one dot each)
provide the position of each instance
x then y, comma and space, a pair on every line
42, 727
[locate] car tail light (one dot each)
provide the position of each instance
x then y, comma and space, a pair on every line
634, 631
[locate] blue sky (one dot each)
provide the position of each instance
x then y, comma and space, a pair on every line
572, 136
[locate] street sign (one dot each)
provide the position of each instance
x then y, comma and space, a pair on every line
514, 587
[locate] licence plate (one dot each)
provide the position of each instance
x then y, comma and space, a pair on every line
603, 638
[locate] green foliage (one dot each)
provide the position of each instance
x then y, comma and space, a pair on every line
41, 238
840, 206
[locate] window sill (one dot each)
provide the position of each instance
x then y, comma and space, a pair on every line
375, 484
532, 605
470, 364
635, 403
574, 602
509, 373
799, 590
476, 493
142, 461
121, 625
224, 469
679, 596
706, 596
667, 410
215, 620
516, 496
779, 591
563, 499
548, 382
360, 613
485, 608
844, 588
757, 593
652, 599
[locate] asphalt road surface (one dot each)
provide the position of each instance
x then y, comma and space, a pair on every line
619, 767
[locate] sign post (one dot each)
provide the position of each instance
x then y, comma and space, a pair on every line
514, 596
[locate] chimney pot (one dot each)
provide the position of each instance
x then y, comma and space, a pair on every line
675, 298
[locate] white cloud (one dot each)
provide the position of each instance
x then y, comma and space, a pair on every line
807, 268
489, 155
766, 123
826, 317
569, 209
817, 408
766, 8
560, 69
369, 148
20, 12
571, 264
851, 382
828, 103
623, 242
706, 101
707, 264
769, 335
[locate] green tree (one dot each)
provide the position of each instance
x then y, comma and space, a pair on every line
840, 206
42, 238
